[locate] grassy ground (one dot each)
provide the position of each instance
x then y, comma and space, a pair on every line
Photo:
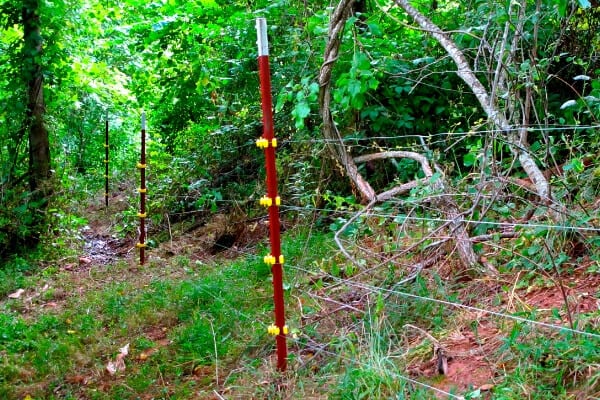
196, 325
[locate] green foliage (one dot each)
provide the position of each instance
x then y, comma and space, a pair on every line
372, 372
198, 312
351, 87
549, 366
302, 96
192, 66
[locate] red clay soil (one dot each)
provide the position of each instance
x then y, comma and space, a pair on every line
469, 367
581, 290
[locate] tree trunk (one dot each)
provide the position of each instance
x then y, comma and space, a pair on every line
458, 229
39, 146
518, 148
330, 131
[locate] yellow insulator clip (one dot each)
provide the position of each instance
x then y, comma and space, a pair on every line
106, 176
269, 259
105, 161
105, 146
266, 201
140, 245
273, 330
142, 190
141, 166
264, 143
142, 215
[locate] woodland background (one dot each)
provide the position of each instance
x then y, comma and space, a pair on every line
438, 166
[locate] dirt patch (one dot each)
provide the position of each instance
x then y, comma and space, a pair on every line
580, 288
461, 361
101, 245
464, 374
103, 249
222, 236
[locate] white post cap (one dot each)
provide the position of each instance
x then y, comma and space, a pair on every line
263, 41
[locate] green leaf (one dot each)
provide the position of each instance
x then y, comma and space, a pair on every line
435, 177
469, 159
358, 101
574, 165
562, 7
373, 83
354, 87
361, 62
375, 29
300, 112
283, 97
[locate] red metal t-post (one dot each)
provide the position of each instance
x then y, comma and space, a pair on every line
106, 163
268, 142
142, 190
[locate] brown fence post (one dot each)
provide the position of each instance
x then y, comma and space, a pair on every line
142, 190
271, 200
106, 162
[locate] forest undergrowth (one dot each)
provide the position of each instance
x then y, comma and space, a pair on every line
87, 322
437, 164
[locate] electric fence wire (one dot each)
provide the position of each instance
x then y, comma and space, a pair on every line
389, 291
366, 366
402, 218
475, 132
299, 343
379, 290
523, 225
443, 135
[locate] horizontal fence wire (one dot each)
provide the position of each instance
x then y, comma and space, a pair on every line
379, 290
440, 137
379, 214
387, 371
337, 281
375, 212
390, 291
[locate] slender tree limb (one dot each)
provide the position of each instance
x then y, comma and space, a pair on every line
345, 226
457, 224
421, 159
465, 72
330, 131
560, 285
398, 190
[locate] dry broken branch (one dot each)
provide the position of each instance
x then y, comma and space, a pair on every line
465, 72
444, 203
